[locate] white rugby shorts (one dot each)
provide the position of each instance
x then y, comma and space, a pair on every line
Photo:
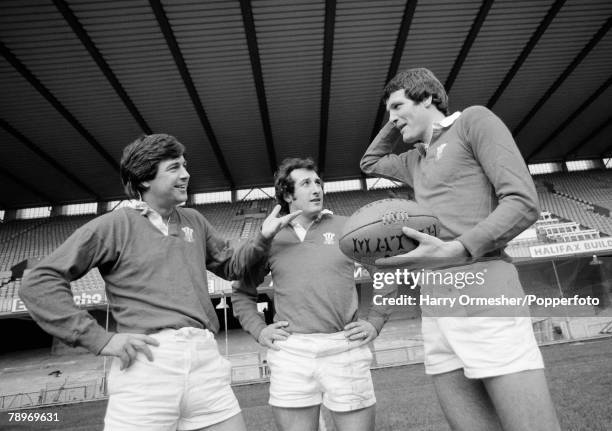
482, 346
187, 386
310, 369
485, 341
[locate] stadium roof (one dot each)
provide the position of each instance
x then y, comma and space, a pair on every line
244, 84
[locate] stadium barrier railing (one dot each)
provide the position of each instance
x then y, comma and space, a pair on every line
64, 394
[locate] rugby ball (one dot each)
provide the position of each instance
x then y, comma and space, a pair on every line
374, 231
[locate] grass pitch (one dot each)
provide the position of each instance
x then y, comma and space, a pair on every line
579, 376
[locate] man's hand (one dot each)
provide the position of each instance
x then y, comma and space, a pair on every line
273, 223
272, 333
126, 346
431, 253
361, 330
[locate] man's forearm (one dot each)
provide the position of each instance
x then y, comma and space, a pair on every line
379, 159
244, 302
379, 312
50, 302
243, 262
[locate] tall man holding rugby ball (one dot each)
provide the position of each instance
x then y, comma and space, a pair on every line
467, 170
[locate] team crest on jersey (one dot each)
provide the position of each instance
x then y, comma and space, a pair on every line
188, 234
329, 238
439, 151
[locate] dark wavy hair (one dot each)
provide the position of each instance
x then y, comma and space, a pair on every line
418, 84
284, 184
141, 158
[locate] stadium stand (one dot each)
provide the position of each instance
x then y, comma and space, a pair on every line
10, 230
346, 203
573, 210
236, 220
8, 293
582, 197
590, 187
566, 231
567, 216
223, 217
22, 239
550, 228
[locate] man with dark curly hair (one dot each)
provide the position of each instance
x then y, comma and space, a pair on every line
167, 373
317, 345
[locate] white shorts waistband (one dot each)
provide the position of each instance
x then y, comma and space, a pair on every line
317, 345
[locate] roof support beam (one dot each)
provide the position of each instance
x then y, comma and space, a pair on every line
607, 122
328, 50
29, 187
533, 41
567, 72
78, 29
23, 70
572, 117
47, 158
166, 29
467, 44
400, 43
251, 37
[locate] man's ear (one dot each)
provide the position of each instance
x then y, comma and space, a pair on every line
427, 102
288, 198
145, 185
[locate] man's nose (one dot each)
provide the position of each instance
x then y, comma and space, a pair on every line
393, 118
184, 173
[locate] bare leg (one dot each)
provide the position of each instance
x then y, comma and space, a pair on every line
357, 420
522, 401
297, 419
465, 402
